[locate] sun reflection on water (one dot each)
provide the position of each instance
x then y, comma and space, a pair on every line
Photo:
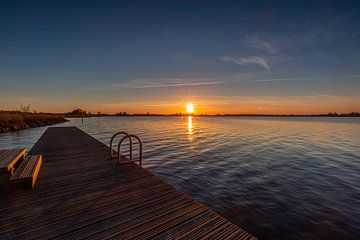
190, 128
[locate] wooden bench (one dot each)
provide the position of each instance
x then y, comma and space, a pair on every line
8, 159
28, 171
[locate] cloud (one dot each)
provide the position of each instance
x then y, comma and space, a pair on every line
156, 83
308, 78
257, 43
165, 83
247, 61
177, 84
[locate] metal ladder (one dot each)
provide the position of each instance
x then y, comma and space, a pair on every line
130, 138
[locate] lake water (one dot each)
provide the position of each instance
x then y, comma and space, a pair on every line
283, 178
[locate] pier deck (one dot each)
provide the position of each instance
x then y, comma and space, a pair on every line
82, 194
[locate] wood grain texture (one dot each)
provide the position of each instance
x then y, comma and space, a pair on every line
82, 194
9, 157
28, 171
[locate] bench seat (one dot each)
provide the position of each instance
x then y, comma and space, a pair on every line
28, 171
8, 159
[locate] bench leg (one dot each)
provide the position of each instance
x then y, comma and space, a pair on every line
36, 172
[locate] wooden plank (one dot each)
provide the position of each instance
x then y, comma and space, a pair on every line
190, 226
28, 171
81, 193
9, 157
57, 220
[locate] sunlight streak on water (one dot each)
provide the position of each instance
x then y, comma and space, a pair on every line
284, 178
190, 128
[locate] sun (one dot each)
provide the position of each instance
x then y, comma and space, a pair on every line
190, 108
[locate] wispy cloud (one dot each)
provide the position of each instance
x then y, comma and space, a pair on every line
309, 78
261, 44
310, 38
166, 83
153, 83
247, 61
178, 84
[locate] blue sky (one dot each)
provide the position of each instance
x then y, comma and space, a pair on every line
154, 56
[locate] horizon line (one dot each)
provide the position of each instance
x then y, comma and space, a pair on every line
124, 113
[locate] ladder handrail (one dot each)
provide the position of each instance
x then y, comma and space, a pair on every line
140, 147
130, 136
111, 142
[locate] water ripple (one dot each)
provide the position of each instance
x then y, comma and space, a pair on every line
283, 178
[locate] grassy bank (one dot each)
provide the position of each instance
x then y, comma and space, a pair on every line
16, 120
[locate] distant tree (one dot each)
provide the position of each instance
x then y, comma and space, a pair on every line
354, 114
25, 109
121, 114
78, 112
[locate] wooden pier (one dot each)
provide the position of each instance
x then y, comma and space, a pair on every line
82, 194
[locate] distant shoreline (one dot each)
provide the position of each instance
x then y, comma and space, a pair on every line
216, 115
15, 120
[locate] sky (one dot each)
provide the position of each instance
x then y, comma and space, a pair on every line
240, 57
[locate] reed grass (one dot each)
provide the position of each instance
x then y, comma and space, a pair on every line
16, 120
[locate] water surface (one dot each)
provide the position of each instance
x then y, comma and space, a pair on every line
283, 178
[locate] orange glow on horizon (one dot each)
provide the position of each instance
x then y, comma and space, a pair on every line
198, 105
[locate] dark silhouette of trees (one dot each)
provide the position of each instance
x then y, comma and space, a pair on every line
78, 112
